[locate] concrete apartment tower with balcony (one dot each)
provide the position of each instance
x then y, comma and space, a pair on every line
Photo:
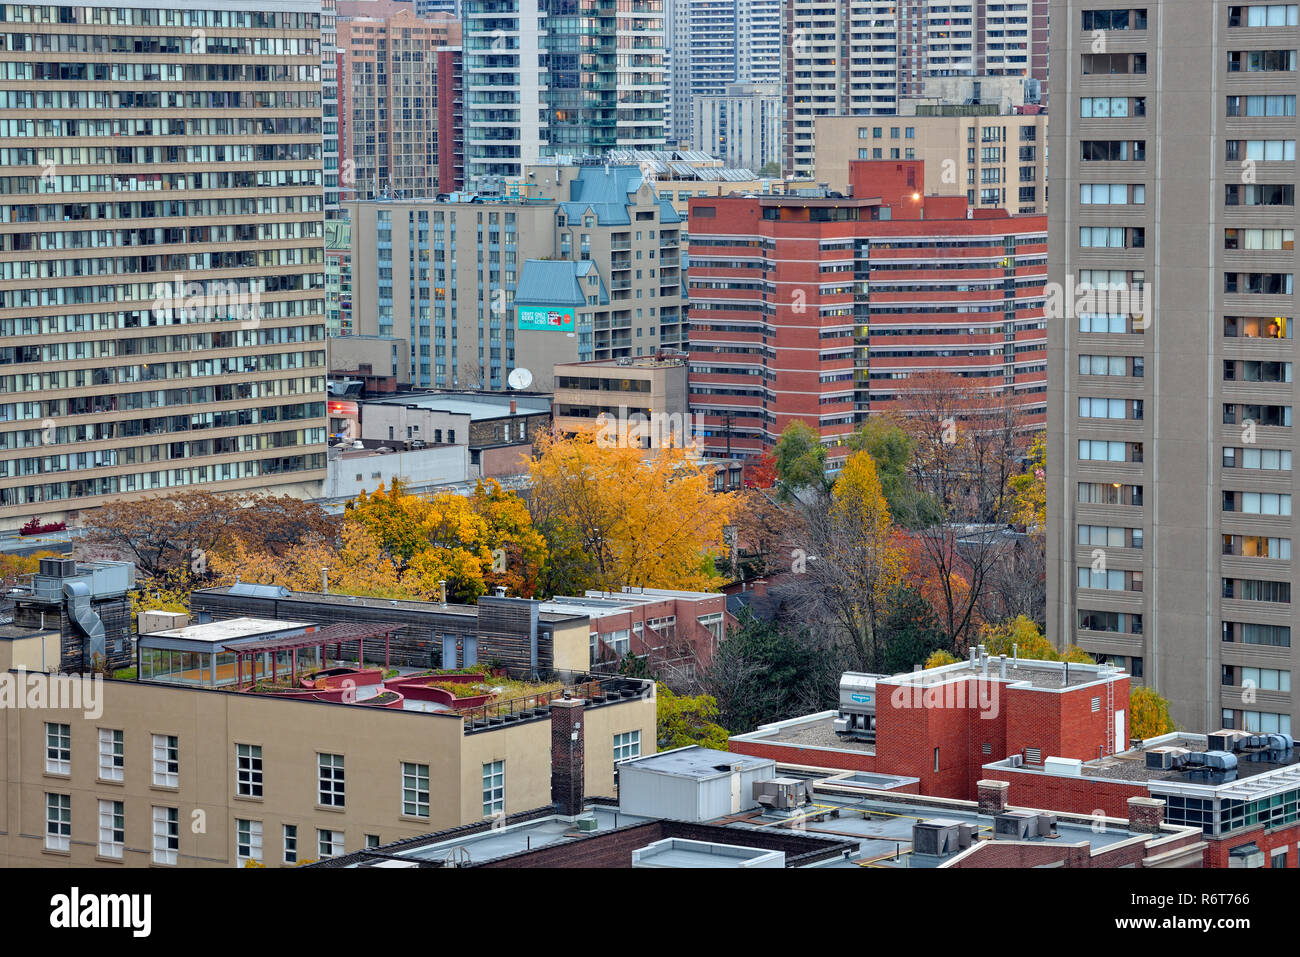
161, 252
1170, 425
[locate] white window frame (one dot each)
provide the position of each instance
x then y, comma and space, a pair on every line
58, 748
112, 829
248, 840
112, 754
166, 760
415, 789
248, 770
494, 788
289, 832
329, 843
58, 821
166, 834
330, 788
627, 745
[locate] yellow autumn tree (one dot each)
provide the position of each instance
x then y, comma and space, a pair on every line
1149, 714
472, 542
357, 565
938, 659
1029, 490
613, 517
855, 558
1021, 637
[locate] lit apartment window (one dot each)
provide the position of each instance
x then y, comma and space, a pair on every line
248, 773
330, 767
166, 760
112, 828
58, 821
58, 748
415, 790
166, 834
248, 841
291, 843
329, 843
111, 755
494, 788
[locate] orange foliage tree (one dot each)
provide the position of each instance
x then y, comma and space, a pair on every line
614, 517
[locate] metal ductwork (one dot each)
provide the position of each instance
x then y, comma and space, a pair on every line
76, 595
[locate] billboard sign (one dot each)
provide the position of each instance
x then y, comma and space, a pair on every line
546, 318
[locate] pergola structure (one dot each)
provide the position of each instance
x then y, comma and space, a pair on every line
335, 635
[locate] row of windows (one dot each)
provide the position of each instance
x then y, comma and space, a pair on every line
249, 778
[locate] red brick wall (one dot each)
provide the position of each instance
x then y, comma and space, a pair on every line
1079, 795
1267, 840
813, 757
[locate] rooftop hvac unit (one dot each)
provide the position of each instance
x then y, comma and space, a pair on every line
1225, 739
1280, 742
1047, 825
1015, 760
1165, 759
939, 837
782, 794
1015, 826
1221, 760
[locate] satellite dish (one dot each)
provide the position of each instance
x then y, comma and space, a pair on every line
520, 379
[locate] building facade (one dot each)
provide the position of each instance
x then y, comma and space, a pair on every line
397, 97
814, 308
160, 775
203, 125
858, 57
999, 161
1171, 347
584, 262
741, 126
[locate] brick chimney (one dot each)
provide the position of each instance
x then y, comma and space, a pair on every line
992, 796
1145, 815
567, 739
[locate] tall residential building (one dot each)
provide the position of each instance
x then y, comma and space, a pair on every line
858, 57
742, 126
586, 264
399, 82
605, 72
814, 308
1171, 352
505, 87
161, 252
330, 105
714, 44
999, 161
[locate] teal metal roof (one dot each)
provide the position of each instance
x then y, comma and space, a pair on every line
557, 282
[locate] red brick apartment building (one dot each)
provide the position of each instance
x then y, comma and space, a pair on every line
812, 307
1056, 740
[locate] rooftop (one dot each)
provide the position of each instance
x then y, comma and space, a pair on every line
598, 604
1259, 770
815, 732
698, 763
477, 406
847, 825
230, 630
402, 604
1022, 672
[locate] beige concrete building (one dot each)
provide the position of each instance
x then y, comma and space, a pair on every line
584, 262
678, 175
139, 774
999, 160
645, 397
161, 252
1171, 347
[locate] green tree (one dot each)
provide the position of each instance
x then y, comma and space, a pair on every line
892, 448
1149, 714
770, 170
683, 720
910, 630
800, 459
764, 673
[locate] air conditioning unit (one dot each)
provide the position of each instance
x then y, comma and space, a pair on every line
938, 837
1015, 826
1015, 760
782, 794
